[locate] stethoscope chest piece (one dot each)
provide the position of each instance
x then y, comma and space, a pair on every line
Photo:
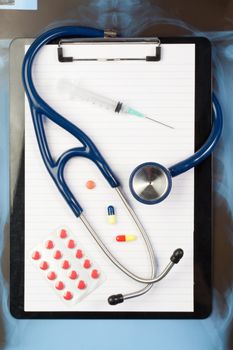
150, 183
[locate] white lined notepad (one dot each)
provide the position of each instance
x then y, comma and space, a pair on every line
162, 89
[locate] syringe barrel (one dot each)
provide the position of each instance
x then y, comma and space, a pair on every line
94, 98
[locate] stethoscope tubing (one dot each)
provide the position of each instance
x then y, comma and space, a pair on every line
40, 108
207, 148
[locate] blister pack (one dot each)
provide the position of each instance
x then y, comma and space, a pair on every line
66, 266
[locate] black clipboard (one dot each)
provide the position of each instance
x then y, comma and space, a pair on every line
202, 201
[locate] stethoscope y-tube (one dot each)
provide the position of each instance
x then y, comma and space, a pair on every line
39, 110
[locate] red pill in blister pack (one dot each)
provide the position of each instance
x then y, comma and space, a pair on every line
81, 284
79, 254
59, 285
87, 264
68, 295
65, 264
49, 244
71, 244
57, 254
44, 265
63, 234
95, 274
73, 275
51, 275
36, 255
62, 261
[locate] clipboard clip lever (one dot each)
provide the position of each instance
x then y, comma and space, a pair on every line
109, 34
157, 56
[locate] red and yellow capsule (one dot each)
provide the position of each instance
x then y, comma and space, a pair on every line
126, 238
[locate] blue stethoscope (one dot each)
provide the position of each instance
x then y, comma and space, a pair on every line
154, 177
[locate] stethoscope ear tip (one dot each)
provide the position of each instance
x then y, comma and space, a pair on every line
177, 255
116, 299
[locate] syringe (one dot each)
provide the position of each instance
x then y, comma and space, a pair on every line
108, 103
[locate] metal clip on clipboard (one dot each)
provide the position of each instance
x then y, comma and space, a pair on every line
110, 38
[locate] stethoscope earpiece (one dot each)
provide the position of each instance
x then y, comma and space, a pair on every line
150, 183
175, 259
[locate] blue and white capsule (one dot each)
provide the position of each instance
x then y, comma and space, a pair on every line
111, 215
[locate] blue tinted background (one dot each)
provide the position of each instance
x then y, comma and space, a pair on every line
133, 17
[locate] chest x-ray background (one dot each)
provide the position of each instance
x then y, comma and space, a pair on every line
133, 18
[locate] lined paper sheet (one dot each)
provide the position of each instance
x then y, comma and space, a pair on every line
163, 90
